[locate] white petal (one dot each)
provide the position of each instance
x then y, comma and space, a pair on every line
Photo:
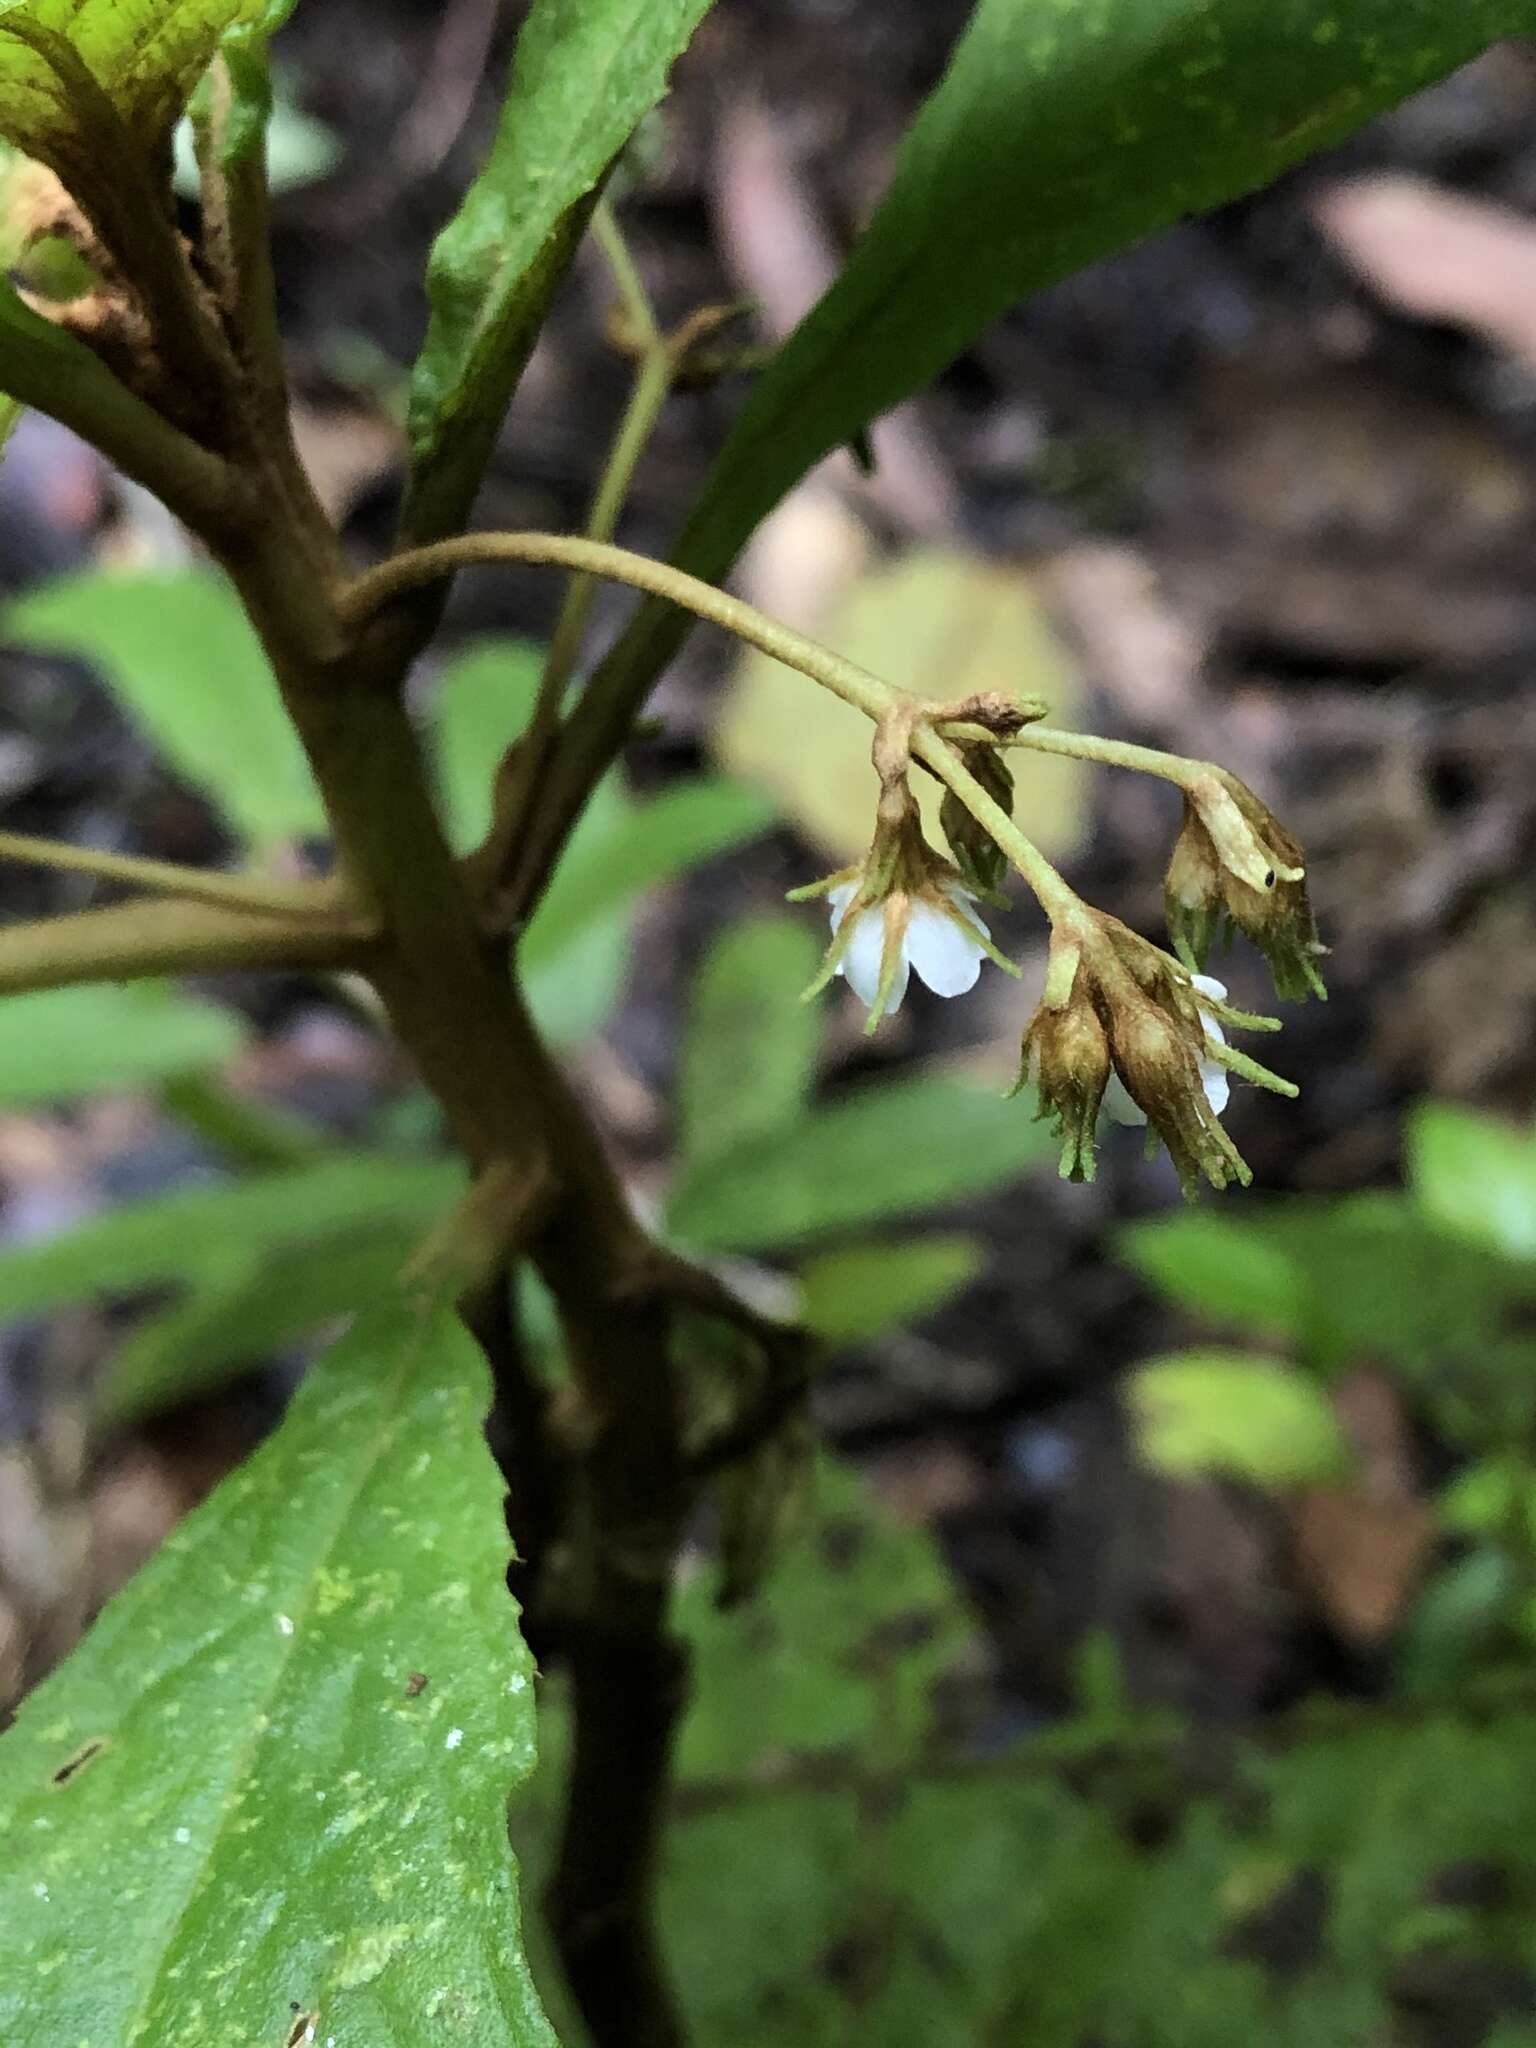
1215, 1079
965, 903
861, 962
942, 951
1119, 1105
838, 900
1216, 1083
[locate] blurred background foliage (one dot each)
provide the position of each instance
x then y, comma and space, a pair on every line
1149, 1660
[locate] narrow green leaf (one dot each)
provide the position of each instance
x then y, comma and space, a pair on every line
857, 1292
640, 848
1220, 1413
1459, 1622
1223, 1267
258, 1304
573, 970
1064, 130
585, 74
749, 1058
62, 1042
575, 953
1367, 1277
575, 987
146, 54
282, 1755
482, 703
181, 1238
1475, 1176
179, 652
887, 1150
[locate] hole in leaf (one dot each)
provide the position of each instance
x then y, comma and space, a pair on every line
72, 1766
302, 2030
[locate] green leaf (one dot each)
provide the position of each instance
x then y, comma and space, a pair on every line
576, 987
1475, 1176
146, 54
1223, 1267
256, 1303
1062, 131
857, 1292
574, 977
1492, 1498
482, 703
584, 75
630, 850
1459, 1622
749, 1057
574, 955
1218, 1413
178, 650
62, 1042
282, 1755
842, 1651
190, 1235
885, 1150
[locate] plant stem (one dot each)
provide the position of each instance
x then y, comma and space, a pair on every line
237, 241
653, 380
160, 935
1087, 746
633, 296
648, 394
445, 984
846, 679
170, 878
1056, 896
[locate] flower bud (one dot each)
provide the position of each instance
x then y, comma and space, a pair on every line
1234, 860
1066, 1055
981, 861
1120, 1019
1158, 1059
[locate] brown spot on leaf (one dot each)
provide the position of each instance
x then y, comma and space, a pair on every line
417, 1683
72, 1766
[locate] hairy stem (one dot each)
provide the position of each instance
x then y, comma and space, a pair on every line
170, 878
1087, 746
158, 935
648, 394
628, 282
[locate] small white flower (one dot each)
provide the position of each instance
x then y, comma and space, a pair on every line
940, 946
1214, 1078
